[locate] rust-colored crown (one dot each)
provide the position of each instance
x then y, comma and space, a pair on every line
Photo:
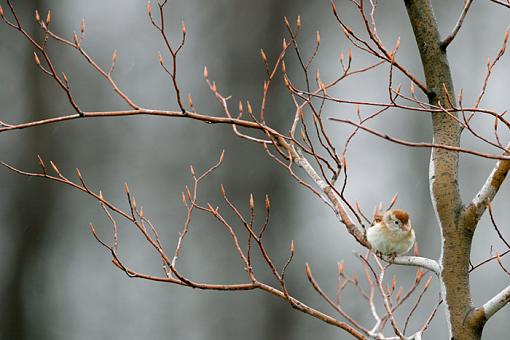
401, 215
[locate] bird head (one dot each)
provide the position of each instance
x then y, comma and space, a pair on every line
397, 220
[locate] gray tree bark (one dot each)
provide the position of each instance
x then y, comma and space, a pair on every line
457, 222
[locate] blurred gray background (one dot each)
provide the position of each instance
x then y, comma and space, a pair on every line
58, 283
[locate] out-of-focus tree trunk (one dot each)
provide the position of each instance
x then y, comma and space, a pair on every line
30, 205
268, 36
279, 319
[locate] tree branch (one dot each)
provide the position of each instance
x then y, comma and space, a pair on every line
458, 25
499, 2
191, 115
421, 144
499, 301
489, 189
136, 216
418, 261
331, 194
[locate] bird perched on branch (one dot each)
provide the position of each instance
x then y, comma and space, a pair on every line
392, 233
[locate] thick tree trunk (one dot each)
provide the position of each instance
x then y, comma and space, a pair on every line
444, 189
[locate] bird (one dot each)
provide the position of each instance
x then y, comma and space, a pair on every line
392, 233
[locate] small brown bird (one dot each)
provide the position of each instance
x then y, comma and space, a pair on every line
392, 234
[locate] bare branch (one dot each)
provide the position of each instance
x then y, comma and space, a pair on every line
149, 112
458, 25
335, 306
494, 224
332, 196
416, 261
499, 301
423, 145
490, 66
364, 45
502, 3
490, 188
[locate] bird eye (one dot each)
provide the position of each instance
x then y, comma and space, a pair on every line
397, 222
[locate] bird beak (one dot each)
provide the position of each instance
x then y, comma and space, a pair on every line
406, 227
